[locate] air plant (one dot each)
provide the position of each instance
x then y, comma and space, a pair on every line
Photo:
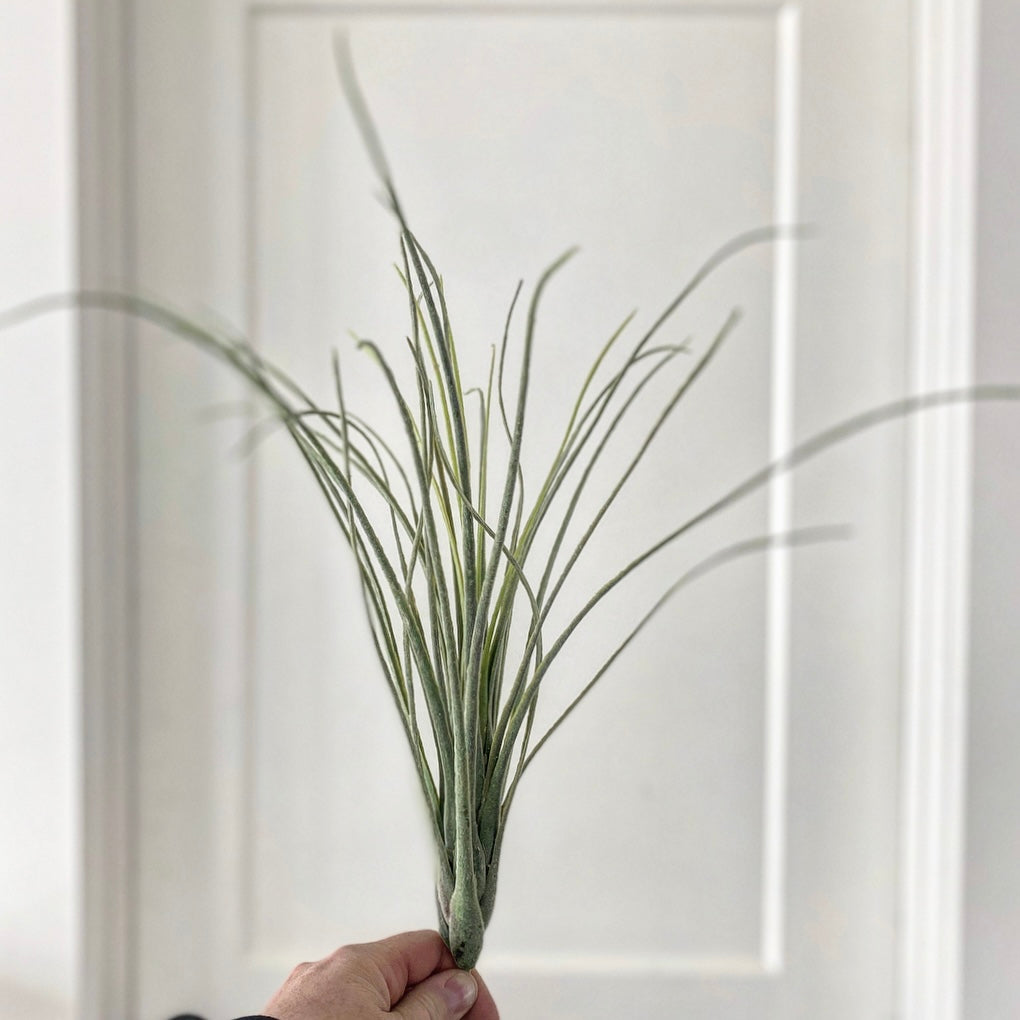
444, 550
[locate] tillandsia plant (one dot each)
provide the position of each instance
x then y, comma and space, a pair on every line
445, 544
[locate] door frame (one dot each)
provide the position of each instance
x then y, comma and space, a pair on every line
936, 590
937, 521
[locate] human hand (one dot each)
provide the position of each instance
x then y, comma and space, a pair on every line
410, 976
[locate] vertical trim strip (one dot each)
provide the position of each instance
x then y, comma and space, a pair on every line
108, 529
777, 696
938, 517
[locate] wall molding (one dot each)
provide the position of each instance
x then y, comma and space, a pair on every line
937, 542
766, 953
106, 372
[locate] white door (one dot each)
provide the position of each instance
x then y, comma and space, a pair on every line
713, 835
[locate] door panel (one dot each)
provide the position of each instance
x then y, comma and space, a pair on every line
713, 834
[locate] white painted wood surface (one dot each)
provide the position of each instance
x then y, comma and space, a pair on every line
39, 604
716, 834
936, 626
991, 934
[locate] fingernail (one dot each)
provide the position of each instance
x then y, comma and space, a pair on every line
460, 990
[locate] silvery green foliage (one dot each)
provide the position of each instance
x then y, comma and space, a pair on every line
443, 576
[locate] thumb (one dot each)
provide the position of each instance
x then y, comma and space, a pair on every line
444, 996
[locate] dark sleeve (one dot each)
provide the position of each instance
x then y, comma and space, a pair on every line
193, 1016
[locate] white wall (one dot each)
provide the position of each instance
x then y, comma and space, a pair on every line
992, 948
38, 521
